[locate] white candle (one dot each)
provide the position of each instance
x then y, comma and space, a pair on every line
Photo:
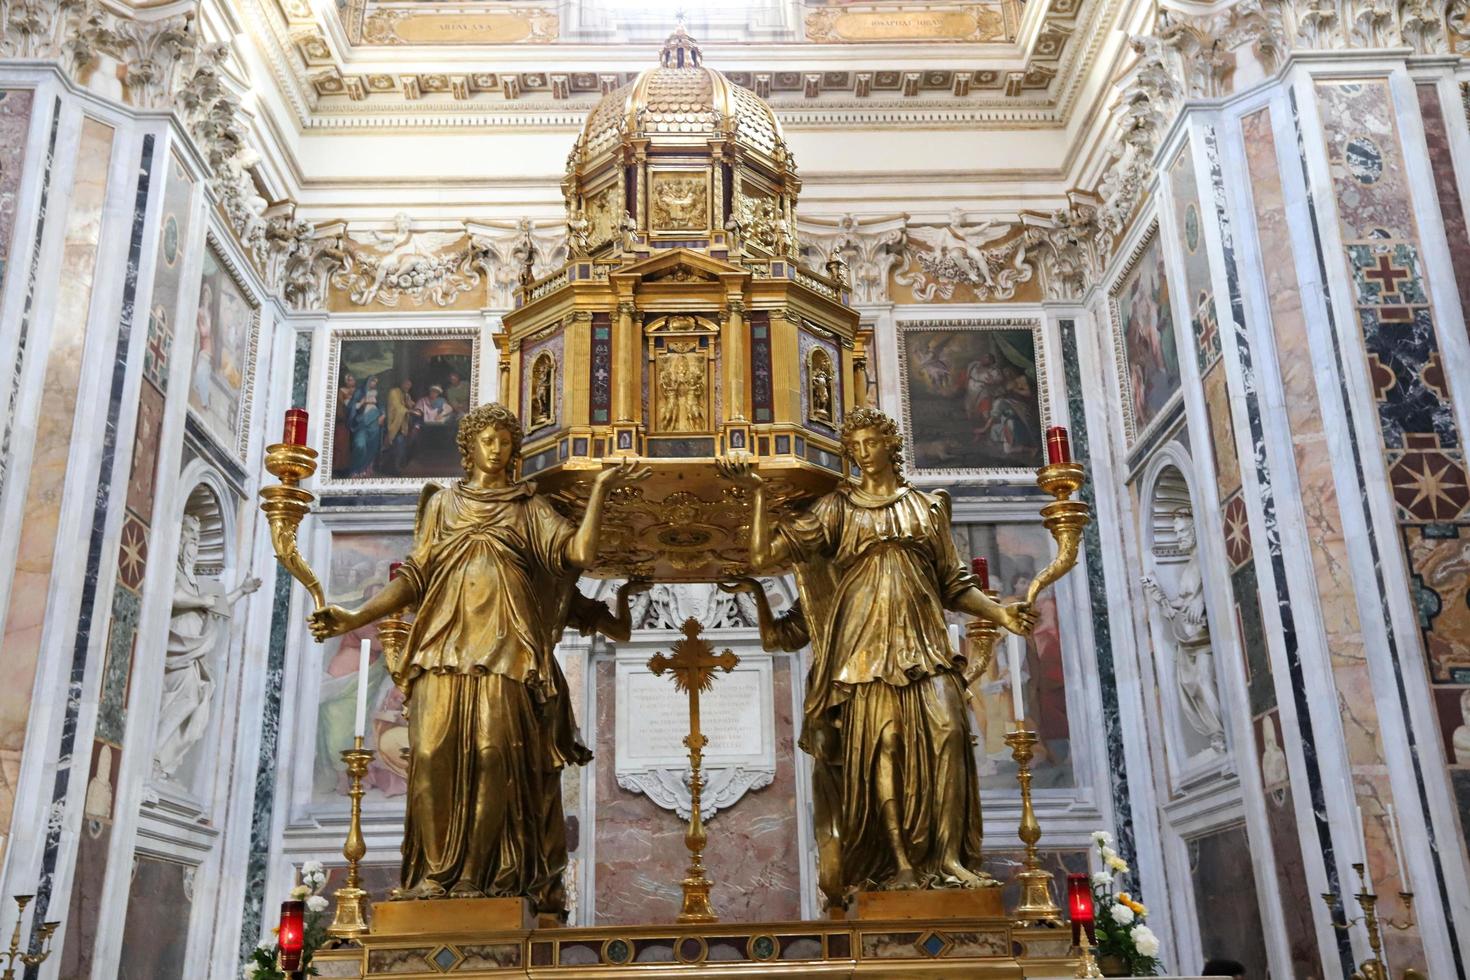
1015, 647
362, 685
1398, 848
1363, 848
954, 639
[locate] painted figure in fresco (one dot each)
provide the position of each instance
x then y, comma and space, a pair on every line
399, 421
367, 433
1189, 629
457, 393
200, 620
886, 716
491, 576
203, 375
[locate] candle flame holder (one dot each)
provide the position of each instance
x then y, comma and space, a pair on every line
1036, 907
983, 635
40, 941
350, 922
1372, 968
393, 638
285, 504
1064, 518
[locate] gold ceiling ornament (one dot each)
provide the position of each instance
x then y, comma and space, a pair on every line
682, 326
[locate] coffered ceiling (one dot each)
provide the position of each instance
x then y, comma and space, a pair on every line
371, 63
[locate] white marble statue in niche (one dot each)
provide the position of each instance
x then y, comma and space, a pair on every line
1460, 738
1189, 633
200, 623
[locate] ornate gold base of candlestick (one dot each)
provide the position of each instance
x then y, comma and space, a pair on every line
351, 919
285, 504
1087, 964
693, 665
1036, 907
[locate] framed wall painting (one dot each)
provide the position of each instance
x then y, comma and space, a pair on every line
1144, 341
226, 337
974, 397
395, 398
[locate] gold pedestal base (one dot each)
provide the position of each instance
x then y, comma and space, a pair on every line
452, 916
936, 904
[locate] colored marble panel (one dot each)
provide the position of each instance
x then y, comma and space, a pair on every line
1198, 291
971, 398
1439, 557
156, 930
754, 844
1446, 187
1252, 635
146, 433
1297, 901
358, 570
84, 911
1225, 902
40, 517
121, 633
227, 321
1222, 430
1149, 358
1367, 169
15, 123
173, 242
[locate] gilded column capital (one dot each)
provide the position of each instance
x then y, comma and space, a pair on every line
627, 307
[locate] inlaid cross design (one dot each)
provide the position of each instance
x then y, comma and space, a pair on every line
1387, 275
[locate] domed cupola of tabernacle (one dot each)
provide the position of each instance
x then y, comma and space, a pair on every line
682, 327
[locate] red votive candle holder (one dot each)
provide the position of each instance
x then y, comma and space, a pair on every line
1079, 906
295, 434
393, 570
291, 935
981, 568
1058, 448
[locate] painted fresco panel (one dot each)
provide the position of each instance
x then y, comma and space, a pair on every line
227, 323
47, 480
15, 123
398, 404
1016, 552
358, 570
971, 398
1148, 354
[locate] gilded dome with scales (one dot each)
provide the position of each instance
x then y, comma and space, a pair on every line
706, 158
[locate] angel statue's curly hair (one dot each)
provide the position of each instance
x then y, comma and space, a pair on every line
870, 418
477, 420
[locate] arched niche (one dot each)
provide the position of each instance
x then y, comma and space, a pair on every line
1179, 628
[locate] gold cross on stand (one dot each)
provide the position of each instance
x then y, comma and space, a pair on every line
693, 665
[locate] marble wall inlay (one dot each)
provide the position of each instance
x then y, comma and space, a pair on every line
1418, 437
31, 585
261, 829
1098, 599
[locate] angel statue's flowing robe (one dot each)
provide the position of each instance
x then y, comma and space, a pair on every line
886, 716
490, 720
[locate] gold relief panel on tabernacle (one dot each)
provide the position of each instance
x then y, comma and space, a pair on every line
602, 216
679, 201
681, 352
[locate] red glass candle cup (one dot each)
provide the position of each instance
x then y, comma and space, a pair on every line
1058, 448
295, 434
981, 568
1079, 907
393, 570
291, 936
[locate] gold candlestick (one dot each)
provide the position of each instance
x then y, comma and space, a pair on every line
285, 504
350, 921
1087, 965
693, 665
1372, 968
1064, 518
14, 954
1036, 907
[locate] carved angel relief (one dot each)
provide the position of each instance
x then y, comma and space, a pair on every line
680, 203
420, 266
681, 353
936, 260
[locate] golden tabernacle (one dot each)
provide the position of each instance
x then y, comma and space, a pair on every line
683, 327
685, 408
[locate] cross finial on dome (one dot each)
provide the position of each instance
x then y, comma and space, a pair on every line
680, 50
